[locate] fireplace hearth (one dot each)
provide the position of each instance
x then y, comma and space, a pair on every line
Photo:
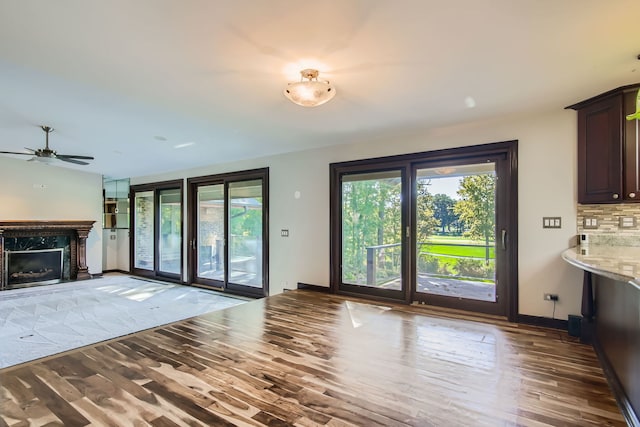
34, 253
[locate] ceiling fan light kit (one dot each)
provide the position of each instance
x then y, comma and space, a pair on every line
47, 155
309, 91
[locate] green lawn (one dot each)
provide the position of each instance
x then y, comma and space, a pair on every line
455, 239
461, 251
456, 256
444, 245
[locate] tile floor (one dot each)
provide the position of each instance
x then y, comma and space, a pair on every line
41, 321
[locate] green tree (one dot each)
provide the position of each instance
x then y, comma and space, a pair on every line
427, 223
370, 217
443, 211
245, 221
477, 207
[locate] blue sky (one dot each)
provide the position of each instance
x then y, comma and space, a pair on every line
446, 185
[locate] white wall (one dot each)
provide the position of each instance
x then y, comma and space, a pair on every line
547, 183
115, 250
35, 191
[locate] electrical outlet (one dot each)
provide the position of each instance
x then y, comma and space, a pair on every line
550, 297
627, 222
590, 223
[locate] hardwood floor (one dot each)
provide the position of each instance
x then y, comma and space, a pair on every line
312, 359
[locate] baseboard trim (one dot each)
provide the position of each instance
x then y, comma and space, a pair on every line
545, 322
315, 288
624, 403
114, 271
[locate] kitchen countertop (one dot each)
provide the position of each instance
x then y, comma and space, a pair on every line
620, 263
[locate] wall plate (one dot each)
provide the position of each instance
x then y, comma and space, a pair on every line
551, 222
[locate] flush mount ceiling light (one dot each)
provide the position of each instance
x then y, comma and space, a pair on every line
310, 92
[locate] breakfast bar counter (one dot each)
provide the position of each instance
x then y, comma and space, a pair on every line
621, 263
611, 316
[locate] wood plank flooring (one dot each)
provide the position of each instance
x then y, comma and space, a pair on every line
310, 359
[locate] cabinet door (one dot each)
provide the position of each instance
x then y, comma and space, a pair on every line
631, 151
600, 151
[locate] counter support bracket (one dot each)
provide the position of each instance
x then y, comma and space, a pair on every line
588, 309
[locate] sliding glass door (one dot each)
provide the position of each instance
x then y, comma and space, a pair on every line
170, 230
431, 228
372, 244
457, 236
228, 232
143, 231
245, 207
156, 230
210, 213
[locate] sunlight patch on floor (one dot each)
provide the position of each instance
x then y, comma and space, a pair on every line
41, 321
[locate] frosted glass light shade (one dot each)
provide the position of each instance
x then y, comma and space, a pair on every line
47, 160
311, 92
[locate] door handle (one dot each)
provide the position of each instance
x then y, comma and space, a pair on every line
504, 239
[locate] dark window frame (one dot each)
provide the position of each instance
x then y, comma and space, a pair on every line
225, 179
407, 162
156, 187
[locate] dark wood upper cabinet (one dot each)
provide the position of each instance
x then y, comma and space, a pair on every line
608, 155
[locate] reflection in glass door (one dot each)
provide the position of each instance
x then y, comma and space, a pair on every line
245, 233
143, 230
372, 248
170, 243
210, 221
455, 211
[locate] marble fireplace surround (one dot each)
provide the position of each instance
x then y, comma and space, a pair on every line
76, 230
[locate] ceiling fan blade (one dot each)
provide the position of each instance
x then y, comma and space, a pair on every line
47, 155
13, 152
71, 156
67, 159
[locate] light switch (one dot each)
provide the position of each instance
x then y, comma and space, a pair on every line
590, 223
284, 233
551, 222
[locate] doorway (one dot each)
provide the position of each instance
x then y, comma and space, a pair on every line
156, 230
228, 237
436, 228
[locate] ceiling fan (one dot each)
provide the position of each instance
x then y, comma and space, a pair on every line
46, 154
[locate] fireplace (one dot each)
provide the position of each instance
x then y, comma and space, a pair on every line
42, 252
31, 268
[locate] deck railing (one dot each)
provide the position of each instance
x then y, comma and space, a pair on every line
384, 261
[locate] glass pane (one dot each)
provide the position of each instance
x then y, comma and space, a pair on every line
144, 230
456, 223
170, 231
372, 230
211, 232
245, 233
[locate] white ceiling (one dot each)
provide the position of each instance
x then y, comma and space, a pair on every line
126, 81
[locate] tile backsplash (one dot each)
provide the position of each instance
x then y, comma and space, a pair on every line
608, 231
